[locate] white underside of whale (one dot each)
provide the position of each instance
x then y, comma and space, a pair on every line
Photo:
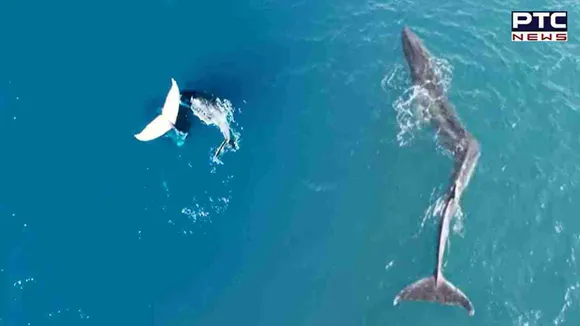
166, 120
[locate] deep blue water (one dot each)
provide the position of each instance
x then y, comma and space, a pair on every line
323, 214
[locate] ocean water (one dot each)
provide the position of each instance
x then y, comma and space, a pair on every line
325, 212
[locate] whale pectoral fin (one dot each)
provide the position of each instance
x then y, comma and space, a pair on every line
171, 106
220, 149
155, 129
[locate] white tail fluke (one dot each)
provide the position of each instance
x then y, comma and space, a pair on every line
166, 120
155, 129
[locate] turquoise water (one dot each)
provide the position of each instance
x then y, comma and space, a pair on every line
323, 214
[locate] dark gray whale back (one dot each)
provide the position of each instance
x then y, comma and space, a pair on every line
423, 74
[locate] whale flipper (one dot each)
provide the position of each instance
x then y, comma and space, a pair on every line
166, 120
220, 149
442, 291
227, 141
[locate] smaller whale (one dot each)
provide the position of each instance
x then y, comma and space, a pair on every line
211, 111
166, 120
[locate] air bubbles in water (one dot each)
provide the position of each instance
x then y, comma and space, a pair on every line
435, 209
413, 106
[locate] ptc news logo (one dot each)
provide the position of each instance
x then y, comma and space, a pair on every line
539, 26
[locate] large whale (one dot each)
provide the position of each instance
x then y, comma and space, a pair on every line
466, 151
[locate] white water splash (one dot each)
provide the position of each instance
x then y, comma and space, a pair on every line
435, 209
202, 210
319, 187
394, 78
177, 136
458, 220
68, 313
572, 292
413, 106
20, 283
219, 113
411, 114
530, 318
195, 213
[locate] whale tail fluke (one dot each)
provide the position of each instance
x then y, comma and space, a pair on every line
431, 289
155, 129
166, 120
